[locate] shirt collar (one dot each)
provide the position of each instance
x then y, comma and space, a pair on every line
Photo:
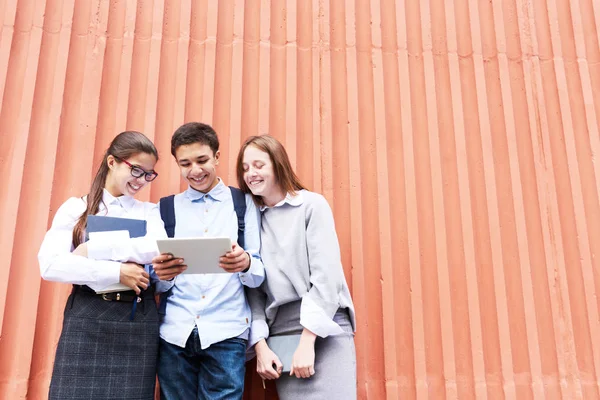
291, 199
126, 202
219, 192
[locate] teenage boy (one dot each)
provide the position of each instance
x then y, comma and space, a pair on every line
206, 320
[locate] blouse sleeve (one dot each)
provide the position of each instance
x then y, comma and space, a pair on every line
321, 302
259, 328
59, 265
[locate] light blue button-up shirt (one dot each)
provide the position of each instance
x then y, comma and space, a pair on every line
215, 303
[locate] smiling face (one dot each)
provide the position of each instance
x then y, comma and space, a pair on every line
197, 164
119, 180
259, 175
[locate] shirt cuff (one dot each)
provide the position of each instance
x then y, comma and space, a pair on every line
314, 318
258, 330
108, 273
244, 275
164, 286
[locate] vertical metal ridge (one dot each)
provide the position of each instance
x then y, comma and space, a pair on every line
456, 143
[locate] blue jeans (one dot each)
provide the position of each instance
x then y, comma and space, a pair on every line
215, 373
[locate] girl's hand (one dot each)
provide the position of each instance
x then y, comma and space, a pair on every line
265, 358
303, 362
134, 276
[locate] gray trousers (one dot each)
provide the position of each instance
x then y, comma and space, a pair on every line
335, 361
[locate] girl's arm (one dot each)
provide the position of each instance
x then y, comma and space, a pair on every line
58, 264
257, 301
321, 302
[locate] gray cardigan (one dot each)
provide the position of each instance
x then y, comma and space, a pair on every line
301, 255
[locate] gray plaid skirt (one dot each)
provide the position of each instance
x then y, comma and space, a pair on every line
102, 354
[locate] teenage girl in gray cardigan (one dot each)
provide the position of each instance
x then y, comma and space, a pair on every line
305, 291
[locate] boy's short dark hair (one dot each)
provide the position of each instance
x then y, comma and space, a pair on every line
195, 132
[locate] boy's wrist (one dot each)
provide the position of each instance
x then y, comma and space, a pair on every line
249, 262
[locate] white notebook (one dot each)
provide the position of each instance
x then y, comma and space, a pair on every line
115, 228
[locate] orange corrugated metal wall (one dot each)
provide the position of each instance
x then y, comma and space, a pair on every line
456, 141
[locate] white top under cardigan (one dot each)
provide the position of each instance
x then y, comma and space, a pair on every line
301, 255
58, 264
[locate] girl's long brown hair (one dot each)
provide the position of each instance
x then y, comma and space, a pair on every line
124, 145
285, 176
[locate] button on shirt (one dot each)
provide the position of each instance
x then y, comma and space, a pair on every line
215, 303
103, 265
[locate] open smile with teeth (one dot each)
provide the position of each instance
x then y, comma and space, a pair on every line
199, 180
255, 182
134, 187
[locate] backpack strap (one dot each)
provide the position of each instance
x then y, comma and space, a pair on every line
239, 205
167, 214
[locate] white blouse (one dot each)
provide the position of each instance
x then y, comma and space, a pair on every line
102, 266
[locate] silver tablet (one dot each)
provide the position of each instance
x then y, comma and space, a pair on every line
201, 255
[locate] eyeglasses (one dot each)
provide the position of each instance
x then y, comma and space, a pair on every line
138, 172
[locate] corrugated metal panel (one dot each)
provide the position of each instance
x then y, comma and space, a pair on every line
455, 140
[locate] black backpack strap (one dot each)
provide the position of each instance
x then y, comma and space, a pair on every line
167, 214
239, 205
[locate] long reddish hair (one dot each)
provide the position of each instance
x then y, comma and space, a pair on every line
285, 176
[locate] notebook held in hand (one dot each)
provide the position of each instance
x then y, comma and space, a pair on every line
284, 347
99, 223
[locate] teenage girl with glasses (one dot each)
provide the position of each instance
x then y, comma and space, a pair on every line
108, 347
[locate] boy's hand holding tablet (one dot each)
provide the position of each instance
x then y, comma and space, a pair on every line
168, 267
236, 260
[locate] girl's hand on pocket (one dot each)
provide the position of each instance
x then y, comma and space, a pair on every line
134, 276
265, 359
